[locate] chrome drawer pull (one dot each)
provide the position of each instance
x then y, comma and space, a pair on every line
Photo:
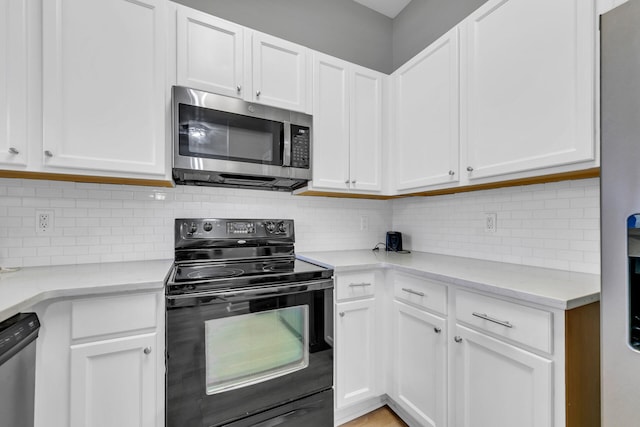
411, 291
491, 319
355, 285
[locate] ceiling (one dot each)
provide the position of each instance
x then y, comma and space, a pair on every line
390, 8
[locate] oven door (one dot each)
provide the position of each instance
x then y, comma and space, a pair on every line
236, 354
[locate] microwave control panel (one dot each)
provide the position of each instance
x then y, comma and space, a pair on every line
300, 146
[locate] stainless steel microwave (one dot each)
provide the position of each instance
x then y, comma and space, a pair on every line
224, 141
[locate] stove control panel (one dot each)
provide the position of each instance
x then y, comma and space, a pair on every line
222, 229
247, 228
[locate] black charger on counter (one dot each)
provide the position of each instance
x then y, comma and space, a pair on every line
394, 241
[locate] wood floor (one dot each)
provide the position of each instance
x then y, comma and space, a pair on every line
382, 417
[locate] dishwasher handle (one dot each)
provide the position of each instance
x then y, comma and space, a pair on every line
16, 333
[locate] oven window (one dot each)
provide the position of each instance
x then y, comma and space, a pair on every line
207, 133
251, 348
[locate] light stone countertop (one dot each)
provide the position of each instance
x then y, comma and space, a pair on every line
557, 289
28, 286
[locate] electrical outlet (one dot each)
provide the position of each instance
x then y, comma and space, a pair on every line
44, 222
490, 222
364, 223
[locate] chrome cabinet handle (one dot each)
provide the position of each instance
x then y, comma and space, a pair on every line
469, 168
451, 173
347, 182
147, 350
411, 291
341, 314
258, 94
354, 285
437, 330
48, 153
13, 150
353, 182
239, 88
494, 320
457, 339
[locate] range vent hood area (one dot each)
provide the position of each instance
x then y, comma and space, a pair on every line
222, 179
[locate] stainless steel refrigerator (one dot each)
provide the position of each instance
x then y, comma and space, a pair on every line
620, 215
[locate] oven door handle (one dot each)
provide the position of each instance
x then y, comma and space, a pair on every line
250, 293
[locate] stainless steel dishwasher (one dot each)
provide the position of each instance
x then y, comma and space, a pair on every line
17, 369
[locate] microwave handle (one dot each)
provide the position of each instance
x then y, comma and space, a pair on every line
286, 155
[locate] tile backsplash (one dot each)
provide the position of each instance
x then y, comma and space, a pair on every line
553, 225
107, 223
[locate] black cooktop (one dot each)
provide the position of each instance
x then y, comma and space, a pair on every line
215, 275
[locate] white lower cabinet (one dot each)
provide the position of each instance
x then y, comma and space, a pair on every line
113, 382
463, 358
104, 363
420, 364
500, 385
355, 348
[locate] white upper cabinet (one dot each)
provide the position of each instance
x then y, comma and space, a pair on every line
366, 129
527, 85
104, 87
281, 73
426, 123
330, 123
347, 126
209, 53
218, 56
13, 83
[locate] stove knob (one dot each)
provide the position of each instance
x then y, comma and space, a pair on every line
281, 228
271, 226
207, 226
193, 228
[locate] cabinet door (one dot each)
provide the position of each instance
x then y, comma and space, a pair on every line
356, 378
528, 85
330, 123
13, 82
427, 120
365, 129
500, 385
104, 85
209, 52
420, 364
113, 383
280, 73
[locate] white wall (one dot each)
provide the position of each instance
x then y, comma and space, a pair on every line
555, 225
106, 223
552, 225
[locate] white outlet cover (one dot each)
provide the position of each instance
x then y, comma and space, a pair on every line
490, 222
48, 223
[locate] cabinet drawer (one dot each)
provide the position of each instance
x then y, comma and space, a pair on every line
420, 291
355, 285
112, 315
526, 325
